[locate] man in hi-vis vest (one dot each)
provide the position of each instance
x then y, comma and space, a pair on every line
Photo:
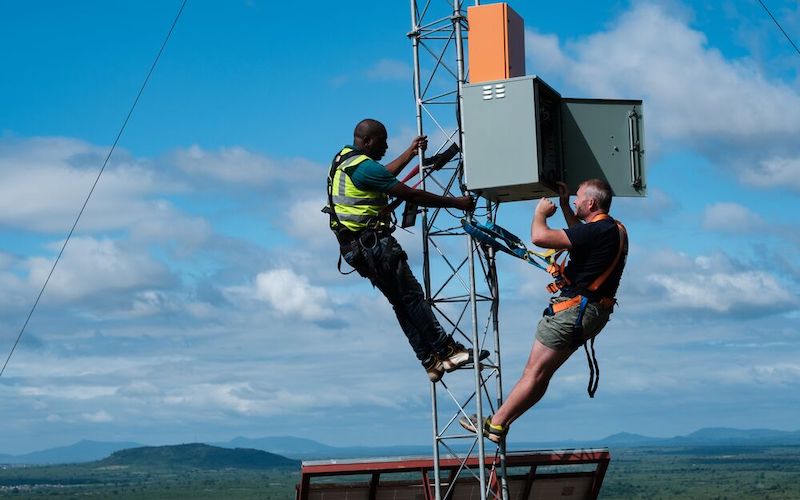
358, 196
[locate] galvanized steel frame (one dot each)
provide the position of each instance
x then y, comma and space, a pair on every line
437, 36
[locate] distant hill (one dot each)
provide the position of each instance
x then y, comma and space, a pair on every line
301, 448
201, 456
82, 451
282, 445
743, 437
628, 439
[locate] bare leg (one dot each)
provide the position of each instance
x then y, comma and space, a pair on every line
542, 364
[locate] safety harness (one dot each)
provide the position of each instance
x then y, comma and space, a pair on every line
493, 236
359, 220
498, 238
358, 217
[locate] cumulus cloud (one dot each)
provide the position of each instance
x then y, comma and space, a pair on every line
306, 222
100, 416
716, 284
389, 69
252, 399
781, 373
724, 109
289, 294
731, 218
236, 165
656, 207
775, 172
47, 179
231, 164
68, 391
90, 266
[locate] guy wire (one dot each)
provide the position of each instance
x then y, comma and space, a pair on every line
97, 179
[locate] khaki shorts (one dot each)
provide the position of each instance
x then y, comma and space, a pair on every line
558, 332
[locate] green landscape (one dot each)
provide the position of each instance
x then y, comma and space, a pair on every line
206, 472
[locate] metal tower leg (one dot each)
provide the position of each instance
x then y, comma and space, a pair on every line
465, 296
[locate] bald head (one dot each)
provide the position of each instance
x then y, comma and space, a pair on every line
370, 137
368, 128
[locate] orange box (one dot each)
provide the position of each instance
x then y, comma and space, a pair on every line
496, 43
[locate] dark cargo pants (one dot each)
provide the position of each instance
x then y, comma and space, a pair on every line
380, 258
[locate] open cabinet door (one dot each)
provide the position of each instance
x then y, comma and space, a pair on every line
604, 138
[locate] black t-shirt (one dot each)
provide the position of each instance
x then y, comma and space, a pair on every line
594, 246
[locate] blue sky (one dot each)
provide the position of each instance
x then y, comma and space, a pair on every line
199, 297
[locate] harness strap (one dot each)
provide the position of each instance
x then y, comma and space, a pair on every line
500, 239
623, 247
335, 163
581, 301
557, 270
594, 369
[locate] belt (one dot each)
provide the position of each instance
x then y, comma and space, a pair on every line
576, 300
347, 237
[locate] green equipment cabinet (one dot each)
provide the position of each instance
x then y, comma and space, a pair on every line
521, 136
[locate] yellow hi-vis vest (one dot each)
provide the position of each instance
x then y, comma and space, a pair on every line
354, 208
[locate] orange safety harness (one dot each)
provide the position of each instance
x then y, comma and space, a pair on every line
557, 269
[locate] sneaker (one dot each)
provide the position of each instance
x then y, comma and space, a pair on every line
495, 433
434, 368
455, 356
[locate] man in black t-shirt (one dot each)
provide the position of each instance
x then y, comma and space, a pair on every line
597, 247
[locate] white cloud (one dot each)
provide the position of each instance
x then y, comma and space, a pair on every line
47, 179
306, 222
657, 206
100, 416
236, 165
139, 389
389, 69
291, 294
762, 374
66, 391
232, 164
731, 218
171, 228
775, 172
716, 284
89, 266
544, 53
726, 109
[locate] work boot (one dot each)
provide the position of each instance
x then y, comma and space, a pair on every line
434, 368
495, 433
455, 355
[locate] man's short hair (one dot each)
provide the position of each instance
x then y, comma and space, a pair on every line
600, 191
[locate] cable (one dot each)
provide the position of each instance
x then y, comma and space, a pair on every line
97, 179
779, 27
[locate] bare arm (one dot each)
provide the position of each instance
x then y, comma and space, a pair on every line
426, 199
541, 234
399, 163
563, 198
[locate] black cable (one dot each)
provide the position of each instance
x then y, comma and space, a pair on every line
779, 27
97, 179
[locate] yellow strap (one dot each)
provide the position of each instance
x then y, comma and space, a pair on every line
496, 427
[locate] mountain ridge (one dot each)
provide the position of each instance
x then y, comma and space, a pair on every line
303, 448
198, 455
